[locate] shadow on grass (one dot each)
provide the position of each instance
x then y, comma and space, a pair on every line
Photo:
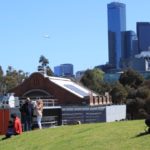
142, 134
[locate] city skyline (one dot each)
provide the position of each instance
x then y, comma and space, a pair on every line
73, 32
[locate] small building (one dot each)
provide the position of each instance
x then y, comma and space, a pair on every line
59, 94
64, 91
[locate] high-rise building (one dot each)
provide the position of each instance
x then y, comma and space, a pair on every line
65, 70
57, 71
129, 49
116, 25
143, 33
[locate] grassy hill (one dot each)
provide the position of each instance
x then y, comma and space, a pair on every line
100, 136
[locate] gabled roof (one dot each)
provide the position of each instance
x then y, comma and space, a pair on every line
71, 86
64, 90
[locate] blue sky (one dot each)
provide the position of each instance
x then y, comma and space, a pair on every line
64, 31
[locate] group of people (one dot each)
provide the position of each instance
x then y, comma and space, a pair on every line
28, 110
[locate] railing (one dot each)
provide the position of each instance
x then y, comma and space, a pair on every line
46, 102
49, 102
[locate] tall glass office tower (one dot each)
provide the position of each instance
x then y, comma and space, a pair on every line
116, 25
128, 50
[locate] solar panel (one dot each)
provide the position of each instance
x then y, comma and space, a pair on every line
75, 89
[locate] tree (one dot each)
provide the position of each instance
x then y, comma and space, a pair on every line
44, 65
13, 78
2, 86
143, 93
104, 87
1, 72
147, 83
147, 106
118, 94
49, 71
138, 93
131, 92
134, 107
44, 61
92, 79
131, 78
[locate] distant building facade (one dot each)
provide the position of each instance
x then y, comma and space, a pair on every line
64, 70
143, 33
79, 75
129, 49
116, 25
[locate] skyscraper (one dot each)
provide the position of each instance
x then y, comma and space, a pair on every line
143, 33
116, 25
129, 49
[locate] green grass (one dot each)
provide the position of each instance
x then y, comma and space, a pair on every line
99, 136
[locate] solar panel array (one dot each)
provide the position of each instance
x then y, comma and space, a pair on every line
76, 89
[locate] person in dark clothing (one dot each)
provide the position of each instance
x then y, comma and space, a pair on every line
26, 114
10, 130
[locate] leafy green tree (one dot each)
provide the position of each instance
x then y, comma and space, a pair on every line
1, 72
44, 61
13, 78
49, 71
134, 107
2, 86
131, 92
143, 92
131, 78
104, 87
10, 82
118, 94
44, 65
138, 93
92, 79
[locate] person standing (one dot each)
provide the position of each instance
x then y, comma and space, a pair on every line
39, 112
27, 114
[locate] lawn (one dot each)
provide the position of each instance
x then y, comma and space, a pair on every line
123, 135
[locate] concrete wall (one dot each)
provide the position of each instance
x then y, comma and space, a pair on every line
91, 114
115, 113
85, 114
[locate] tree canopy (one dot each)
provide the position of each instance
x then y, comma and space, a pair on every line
44, 61
11, 79
92, 79
131, 78
44, 64
118, 93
